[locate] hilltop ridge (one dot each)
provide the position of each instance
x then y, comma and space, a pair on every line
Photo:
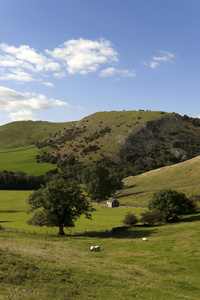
130, 142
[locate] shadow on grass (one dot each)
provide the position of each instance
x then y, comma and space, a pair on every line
10, 211
129, 187
129, 194
192, 218
122, 234
5, 221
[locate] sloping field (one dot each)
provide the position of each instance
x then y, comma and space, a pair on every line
23, 133
43, 266
183, 177
24, 160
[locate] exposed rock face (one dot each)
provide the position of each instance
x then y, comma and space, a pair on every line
170, 132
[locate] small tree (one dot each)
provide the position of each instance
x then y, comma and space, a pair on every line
129, 219
59, 204
172, 203
152, 217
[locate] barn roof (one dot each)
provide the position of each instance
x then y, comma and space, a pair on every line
111, 200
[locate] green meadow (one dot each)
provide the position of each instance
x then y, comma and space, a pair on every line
24, 160
36, 264
13, 214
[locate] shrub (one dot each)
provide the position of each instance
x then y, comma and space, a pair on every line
152, 217
129, 219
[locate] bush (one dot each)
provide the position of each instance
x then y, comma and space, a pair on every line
129, 219
152, 217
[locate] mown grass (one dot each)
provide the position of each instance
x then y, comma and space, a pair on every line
50, 267
23, 159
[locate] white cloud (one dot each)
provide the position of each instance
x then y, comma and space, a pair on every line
80, 107
120, 72
17, 75
84, 56
22, 115
151, 64
156, 60
23, 63
59, 75
22, 106
49, 84
167, 56
24, 53
61, 103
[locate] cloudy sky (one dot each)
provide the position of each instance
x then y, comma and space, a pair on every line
61, 60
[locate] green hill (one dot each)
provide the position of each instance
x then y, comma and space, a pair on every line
127, 142
183, 177
23, 133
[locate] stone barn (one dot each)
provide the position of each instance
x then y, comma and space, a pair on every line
112, 202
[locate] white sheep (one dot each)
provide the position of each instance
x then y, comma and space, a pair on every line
145, 239
95, 248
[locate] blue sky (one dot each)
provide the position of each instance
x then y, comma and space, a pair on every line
61, 60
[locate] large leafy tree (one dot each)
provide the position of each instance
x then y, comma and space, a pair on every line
59, 204
171, 203
98, 182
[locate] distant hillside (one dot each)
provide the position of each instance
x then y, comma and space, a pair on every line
183, 177
131, 142
23, 133
128, 142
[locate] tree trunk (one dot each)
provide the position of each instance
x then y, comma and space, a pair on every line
61, 231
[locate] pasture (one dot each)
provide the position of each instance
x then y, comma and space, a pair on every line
44, 266
183, 177
24, 160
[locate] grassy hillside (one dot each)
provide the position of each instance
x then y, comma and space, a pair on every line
24, 160
129, 142
183, 177
105, 130
23, 133
48, 267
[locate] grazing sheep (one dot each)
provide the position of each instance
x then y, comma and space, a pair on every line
145, 239
95, 248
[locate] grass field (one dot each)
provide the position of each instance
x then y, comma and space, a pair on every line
13, 208
49, 267
183, 177
23, 159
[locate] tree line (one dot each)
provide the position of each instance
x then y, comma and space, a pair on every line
21, 181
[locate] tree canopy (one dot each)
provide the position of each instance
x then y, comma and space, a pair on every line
98, 183
59, 204
172, 203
